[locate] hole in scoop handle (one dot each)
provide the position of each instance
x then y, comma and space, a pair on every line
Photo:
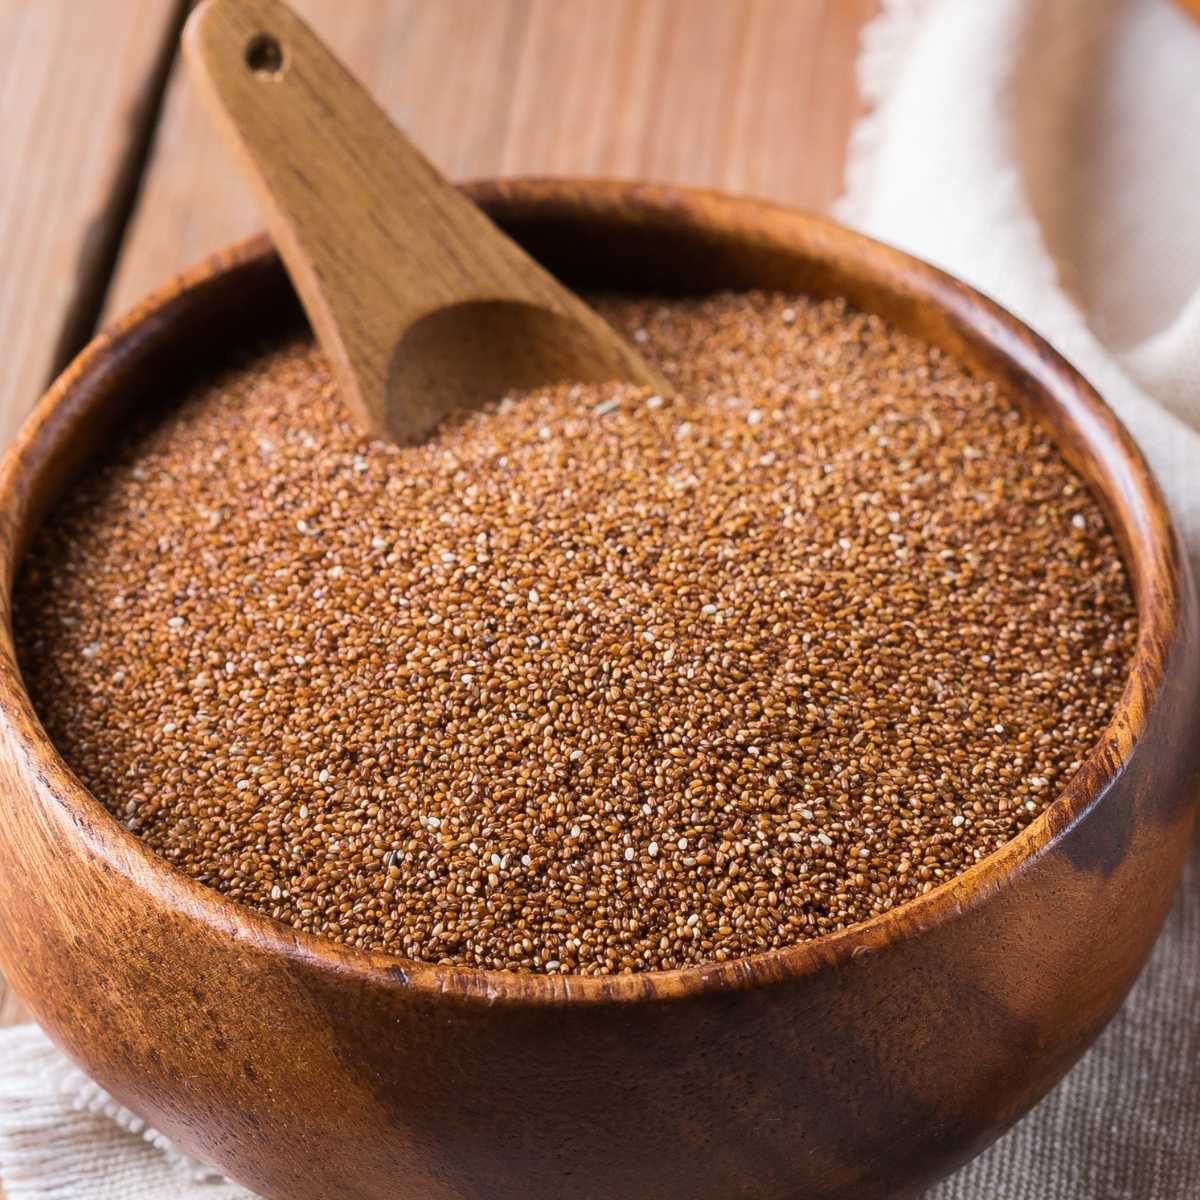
374, 239
264, 55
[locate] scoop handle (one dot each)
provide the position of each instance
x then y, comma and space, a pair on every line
376, 242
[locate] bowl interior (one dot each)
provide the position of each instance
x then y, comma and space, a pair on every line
632, 238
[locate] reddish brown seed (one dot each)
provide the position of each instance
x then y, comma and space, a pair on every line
598, 681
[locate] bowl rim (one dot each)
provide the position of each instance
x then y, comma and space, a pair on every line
1150, 546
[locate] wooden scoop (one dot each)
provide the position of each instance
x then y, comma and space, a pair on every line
421, 303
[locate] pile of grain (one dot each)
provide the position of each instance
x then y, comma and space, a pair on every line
597, 682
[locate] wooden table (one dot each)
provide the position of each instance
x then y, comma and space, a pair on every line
111, 178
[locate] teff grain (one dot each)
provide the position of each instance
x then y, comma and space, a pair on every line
599, 681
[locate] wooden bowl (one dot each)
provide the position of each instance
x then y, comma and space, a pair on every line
864, 1064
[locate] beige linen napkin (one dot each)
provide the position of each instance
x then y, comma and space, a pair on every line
1049, 152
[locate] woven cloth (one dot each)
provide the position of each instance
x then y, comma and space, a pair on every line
1046, 151
62, 1137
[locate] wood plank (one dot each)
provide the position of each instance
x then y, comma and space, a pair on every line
75, 97
755, 96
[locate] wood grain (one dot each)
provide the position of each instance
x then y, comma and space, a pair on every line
756, 96
423, 306
74, 94
859, 1066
